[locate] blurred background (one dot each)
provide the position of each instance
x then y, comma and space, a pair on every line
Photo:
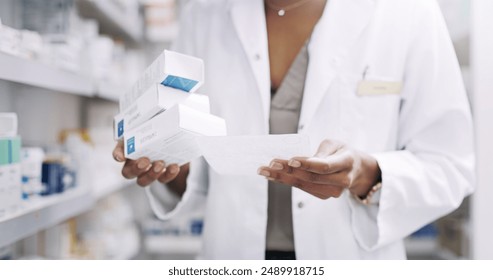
63, 64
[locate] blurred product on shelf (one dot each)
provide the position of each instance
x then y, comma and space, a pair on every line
160, 20
32, 162
10, 165
49, 17
57, 177
109, 230
10, 40
55, 34
31, 45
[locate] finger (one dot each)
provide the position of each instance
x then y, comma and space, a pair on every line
278, 167
327, 148
152, 174
118, 153
322, 191
170, 174
328, 165
133, 169
339, 179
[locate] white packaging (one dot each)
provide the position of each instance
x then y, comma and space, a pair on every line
3, 191
8, 124
10, 39
32, 162
14, 194
170, 69
171, 136
10, 175
31, 44
156, 99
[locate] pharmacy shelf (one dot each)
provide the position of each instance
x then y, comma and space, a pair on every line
109, 91
44, 213
111, 185
173, 245
33, 73
111, 19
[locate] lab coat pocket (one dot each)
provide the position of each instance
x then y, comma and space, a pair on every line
369, 113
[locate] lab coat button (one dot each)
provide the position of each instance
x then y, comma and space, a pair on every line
301, 126
257, 56
300, 205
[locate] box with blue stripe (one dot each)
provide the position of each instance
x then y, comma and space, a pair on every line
156, 100
170, 69
172, 135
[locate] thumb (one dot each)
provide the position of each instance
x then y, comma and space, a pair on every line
327, 147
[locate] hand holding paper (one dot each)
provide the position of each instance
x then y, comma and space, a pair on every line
243, 155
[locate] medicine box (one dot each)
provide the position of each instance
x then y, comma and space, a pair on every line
170, 69
156, 99
10, 175
172, 135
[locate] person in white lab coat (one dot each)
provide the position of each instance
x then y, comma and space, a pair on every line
383, 100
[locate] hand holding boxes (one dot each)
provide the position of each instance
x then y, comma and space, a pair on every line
160, 118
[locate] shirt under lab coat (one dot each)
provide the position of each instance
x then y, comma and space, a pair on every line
421, 137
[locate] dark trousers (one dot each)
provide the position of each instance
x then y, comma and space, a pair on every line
280, 255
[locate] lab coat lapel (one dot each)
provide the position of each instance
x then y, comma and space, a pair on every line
338, 29
249, 21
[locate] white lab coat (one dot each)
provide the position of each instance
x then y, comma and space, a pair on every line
422, 137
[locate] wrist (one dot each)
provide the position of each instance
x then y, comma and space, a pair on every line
368, 177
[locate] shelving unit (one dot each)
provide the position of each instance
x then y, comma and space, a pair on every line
50, 83
111, 21
108, 91
37, 74
44, 213
111, 185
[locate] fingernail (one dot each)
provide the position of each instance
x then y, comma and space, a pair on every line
173, 169
271, 179
264, 172
294, 163
276, 166
148, 167
158, 168
142, 164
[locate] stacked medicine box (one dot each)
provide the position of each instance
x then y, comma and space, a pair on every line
161, 117
10, 166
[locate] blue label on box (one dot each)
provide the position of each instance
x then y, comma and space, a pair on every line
120, 128
179, 83
131, 145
